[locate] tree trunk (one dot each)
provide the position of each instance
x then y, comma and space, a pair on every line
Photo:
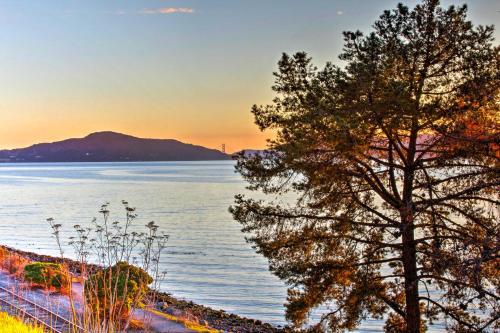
410, 273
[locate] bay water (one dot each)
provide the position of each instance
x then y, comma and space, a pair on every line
207, 259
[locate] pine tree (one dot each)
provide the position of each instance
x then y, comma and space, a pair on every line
392, 165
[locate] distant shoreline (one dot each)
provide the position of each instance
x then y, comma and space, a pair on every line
88, 162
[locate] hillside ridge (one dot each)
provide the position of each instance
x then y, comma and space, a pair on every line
109, 146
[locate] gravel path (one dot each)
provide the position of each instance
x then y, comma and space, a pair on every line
158, 323
56, 303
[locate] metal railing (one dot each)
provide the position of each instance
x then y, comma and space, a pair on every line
25, 308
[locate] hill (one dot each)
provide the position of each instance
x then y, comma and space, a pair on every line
111, 147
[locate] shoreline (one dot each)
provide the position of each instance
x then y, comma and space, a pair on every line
168, 304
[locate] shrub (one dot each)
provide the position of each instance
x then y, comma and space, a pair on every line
113, 291
47, 275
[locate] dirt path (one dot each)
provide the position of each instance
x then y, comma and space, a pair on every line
158, 323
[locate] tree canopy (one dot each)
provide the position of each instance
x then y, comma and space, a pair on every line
393, 161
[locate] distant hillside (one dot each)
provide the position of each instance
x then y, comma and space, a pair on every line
111, 147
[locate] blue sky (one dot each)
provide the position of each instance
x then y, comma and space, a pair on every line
174, 69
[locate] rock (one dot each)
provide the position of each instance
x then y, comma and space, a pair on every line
192, 318
162, 305
173, 311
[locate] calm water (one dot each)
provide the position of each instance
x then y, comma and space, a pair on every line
208, 260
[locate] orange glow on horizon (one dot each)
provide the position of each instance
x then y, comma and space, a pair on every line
22, 123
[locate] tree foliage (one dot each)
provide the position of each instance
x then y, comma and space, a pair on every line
393, 164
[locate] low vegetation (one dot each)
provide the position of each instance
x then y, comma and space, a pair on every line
118, 268
10, 324
112, 292
13, 263
47, 275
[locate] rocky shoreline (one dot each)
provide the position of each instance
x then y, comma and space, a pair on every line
217, 319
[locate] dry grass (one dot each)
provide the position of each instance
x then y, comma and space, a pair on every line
12, 262
10, 324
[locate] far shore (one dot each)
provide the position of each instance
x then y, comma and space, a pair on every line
168, 304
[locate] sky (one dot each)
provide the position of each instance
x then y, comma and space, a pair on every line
187, 69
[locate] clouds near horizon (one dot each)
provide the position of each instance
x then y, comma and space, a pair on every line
167, 11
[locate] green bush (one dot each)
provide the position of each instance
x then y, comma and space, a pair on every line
114, 290
47, 275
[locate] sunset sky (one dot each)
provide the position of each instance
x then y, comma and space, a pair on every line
188, 70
